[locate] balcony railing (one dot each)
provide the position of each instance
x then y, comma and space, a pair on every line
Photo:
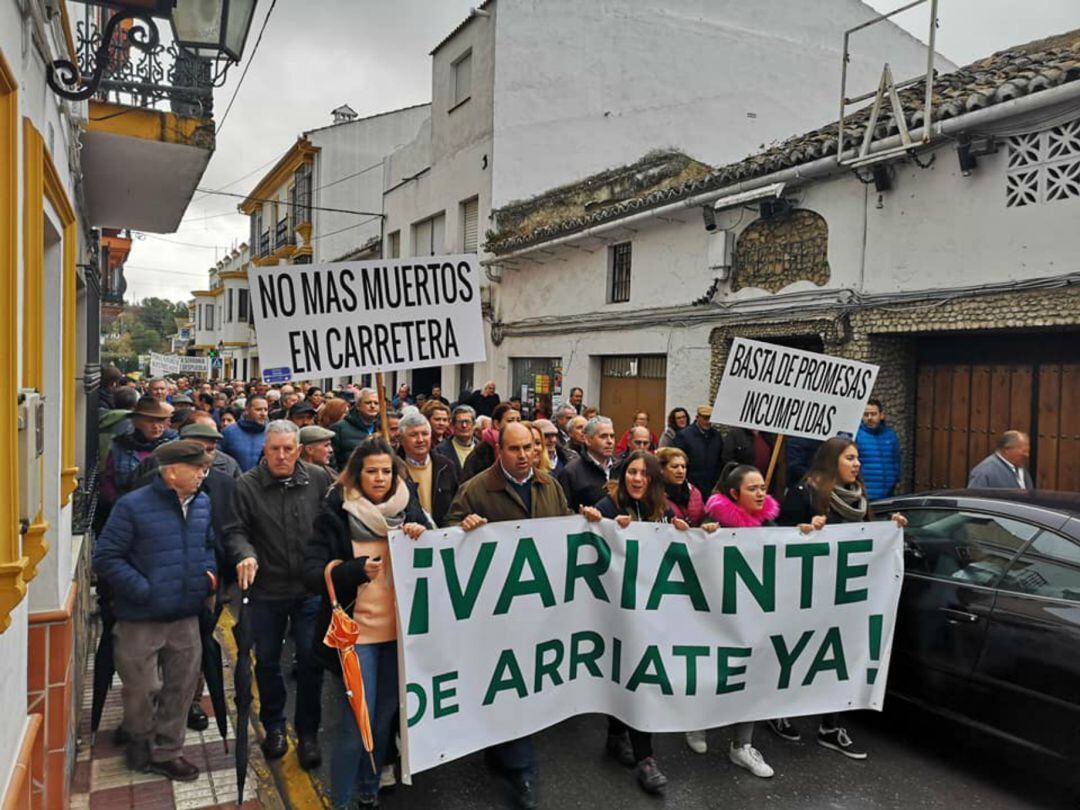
144, 72
264, 244
282, 235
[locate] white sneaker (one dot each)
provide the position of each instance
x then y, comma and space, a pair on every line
386, 777
746, 756
696, 741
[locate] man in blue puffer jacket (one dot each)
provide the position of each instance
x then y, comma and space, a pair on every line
244, 440
879, 452
156, 554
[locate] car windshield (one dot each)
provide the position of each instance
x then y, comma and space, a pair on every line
963, 546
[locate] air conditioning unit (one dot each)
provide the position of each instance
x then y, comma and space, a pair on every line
720, 246
31, 452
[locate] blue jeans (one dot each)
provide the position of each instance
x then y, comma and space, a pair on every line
350, 766
269, 622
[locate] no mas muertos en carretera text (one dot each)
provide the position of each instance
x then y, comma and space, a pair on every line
669, 668
362, 291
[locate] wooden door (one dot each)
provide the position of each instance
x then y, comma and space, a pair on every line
1057, 440
632, 384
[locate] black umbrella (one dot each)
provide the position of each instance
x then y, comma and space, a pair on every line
104, 666
242, 685
212, 668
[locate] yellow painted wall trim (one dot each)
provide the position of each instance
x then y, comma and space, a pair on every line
299, 153
304, 230
35, 546
306, 250
33, 257
69, 40
265, 261
12, 562
235, 344
285, 251
57, 196
233, 274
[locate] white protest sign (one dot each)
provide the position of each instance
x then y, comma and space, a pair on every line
791, 391
162, 364
322, 320
517, 626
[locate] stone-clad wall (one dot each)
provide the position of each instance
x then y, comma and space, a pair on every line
887, 337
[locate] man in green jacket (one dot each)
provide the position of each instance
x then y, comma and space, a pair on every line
111, 422
361, 421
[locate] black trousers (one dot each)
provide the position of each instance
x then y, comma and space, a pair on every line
640, 741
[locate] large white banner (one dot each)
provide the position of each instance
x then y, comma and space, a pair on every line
791, 391
517, 626
323, 320
162, 364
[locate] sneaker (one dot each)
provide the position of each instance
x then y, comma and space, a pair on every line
782, 728
387, 779
619, 748
696, 741
649, 776
746, 756
838, 740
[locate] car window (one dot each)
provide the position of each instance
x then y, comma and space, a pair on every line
1049, 567
959, 546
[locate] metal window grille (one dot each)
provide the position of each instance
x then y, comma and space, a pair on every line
651, 366
619, 283
303, 194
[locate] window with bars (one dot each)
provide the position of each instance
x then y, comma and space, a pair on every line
470, 215
257, 247
651, 366
1043, 166
242, 305
619, 273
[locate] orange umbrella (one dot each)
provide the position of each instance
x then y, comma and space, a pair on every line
342, 635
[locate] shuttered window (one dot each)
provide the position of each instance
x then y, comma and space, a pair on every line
429, 236
470, 214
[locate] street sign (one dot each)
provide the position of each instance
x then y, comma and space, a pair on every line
276, 375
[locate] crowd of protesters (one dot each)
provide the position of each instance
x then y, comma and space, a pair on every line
280, 489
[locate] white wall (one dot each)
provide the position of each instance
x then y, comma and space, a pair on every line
581, 87
355, 150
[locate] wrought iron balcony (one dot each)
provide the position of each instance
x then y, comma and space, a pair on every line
264, 243
282, 235
141, 70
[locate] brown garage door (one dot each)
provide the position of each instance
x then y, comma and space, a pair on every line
631, 383
962, 408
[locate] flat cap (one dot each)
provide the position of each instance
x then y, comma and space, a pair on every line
181, 399
314, 433
199, 430
303, 406
182, 451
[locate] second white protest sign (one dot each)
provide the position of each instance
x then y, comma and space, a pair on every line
791, 391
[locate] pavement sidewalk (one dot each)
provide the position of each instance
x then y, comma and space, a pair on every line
102, 781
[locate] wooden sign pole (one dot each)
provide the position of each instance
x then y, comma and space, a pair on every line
383, 421
772, 461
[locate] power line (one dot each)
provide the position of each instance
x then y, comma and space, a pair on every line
243, 177
184, 244
251, 59
290, 204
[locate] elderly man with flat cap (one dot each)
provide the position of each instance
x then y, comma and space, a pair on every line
316, 447
302, 414
156, 553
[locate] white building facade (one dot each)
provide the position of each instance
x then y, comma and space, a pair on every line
527, 96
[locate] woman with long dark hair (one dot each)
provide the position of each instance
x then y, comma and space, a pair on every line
832, 491
639, 495
368, 500
677, 419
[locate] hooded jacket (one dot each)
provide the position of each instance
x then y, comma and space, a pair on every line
879, 454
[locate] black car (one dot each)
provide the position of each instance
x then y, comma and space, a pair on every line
988, 628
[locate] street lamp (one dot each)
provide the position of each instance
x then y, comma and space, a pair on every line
213, 30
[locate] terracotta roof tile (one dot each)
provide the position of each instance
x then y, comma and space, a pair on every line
1003, 76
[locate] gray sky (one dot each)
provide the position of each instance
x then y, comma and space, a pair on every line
373, 55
